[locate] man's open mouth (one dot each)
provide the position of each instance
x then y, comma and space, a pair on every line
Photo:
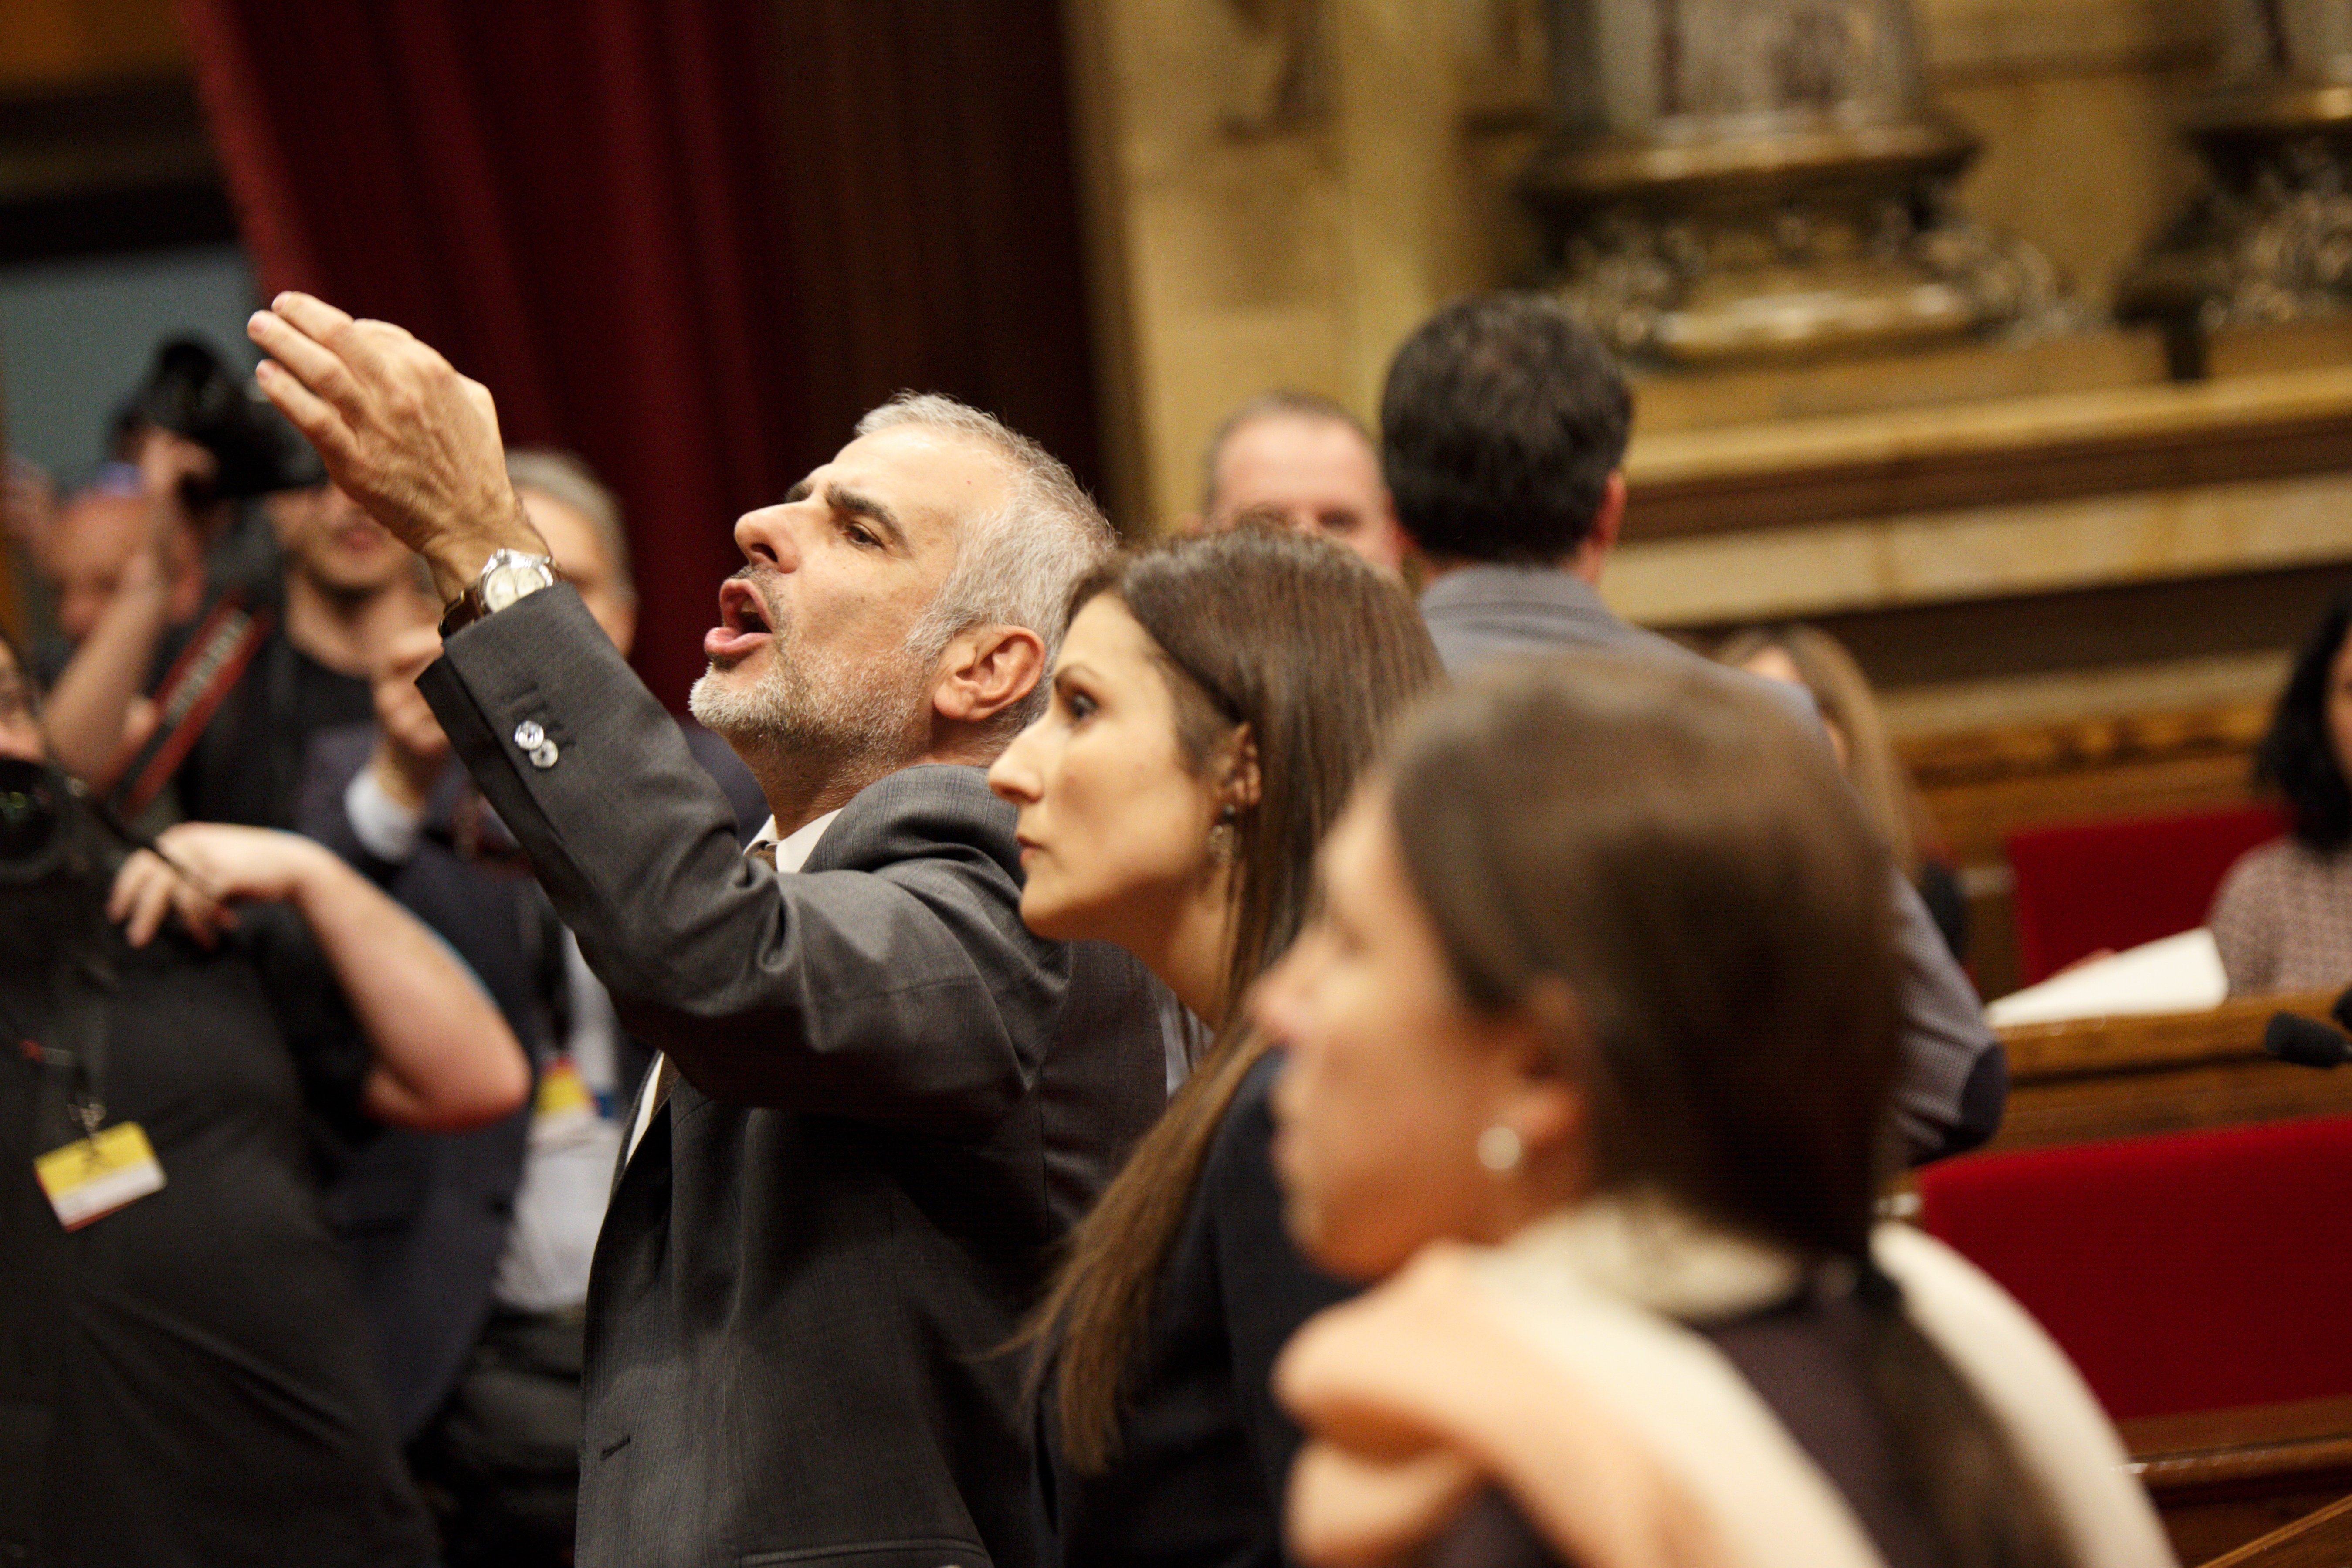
742, 621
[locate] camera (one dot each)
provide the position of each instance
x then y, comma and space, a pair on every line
189, 391
57, 859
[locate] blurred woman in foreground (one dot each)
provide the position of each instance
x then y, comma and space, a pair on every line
1212, 707
1601, 988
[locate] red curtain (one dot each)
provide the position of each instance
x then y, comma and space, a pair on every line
665, 240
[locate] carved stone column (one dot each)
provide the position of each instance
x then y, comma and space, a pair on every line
2270, 239
1742, 178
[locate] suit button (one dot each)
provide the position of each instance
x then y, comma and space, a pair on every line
528, 736
544, 755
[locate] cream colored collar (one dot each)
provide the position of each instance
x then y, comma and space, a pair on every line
1644, 1248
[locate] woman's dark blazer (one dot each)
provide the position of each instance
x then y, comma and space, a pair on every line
1204, 1451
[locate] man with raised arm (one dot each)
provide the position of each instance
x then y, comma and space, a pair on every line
881, 1102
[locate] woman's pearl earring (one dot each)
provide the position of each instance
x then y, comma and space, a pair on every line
1499, 1149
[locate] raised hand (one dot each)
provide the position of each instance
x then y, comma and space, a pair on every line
401, 432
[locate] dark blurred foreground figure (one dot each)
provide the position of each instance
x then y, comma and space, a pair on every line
1212, 704
1808, 657
881, 1102
1592, 1044
184, 1378
2283, 918
1503, 425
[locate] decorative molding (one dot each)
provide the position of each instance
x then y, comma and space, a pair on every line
2020, 450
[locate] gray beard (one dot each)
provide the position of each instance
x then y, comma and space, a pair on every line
813, 719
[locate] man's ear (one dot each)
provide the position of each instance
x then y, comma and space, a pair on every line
986, 670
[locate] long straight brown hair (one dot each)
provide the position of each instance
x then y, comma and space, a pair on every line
1681, 854
1315, 652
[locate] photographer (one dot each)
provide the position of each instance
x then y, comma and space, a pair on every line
216, 710
183, 1373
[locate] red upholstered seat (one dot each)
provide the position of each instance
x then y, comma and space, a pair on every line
2191, 1271
2085, 886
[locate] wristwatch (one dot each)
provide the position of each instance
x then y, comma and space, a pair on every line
505, 577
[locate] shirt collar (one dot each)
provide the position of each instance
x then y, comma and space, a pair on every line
793, 852
1488, 586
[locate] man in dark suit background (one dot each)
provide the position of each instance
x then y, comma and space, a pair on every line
881, 1100
471, 1250
1503, 429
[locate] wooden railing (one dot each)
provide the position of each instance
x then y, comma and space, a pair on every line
2127, 1075
2222, 1479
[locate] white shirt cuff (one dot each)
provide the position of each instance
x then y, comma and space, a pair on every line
385, 828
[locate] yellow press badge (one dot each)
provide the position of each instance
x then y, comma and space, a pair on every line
91, 1177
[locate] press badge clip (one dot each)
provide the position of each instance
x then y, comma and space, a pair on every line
92, 1176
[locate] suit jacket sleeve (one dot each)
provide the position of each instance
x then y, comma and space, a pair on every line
898, 987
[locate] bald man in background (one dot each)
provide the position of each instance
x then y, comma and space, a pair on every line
88, 545
1309, 460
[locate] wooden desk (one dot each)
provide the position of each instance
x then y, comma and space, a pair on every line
2124, 1077
2321, 1540
2224, 1478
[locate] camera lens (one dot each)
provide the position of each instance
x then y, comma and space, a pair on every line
30, 812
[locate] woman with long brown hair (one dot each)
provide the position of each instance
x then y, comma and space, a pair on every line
1210, 709
1591, 1049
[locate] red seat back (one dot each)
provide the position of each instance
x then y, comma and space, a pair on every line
2085, 886
2191, 1271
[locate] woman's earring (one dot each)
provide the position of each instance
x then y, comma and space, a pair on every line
1225, 838
1499, 1149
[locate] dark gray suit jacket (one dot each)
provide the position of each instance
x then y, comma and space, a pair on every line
425, 1215
894, 1099
1956, 1077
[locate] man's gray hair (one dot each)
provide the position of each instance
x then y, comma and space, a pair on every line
1018, 566
1282, 403
560, 476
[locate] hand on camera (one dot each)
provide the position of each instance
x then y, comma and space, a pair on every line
212, 867
401, 432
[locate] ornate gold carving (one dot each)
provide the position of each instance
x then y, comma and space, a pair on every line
1742, 178
2270, 238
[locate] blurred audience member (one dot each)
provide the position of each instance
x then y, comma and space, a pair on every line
1212, 705
104, 532
1809, 656
2283, 918
1309, 460
1506, 425
185, 1373
245, 688
472, 1249
1592, 1042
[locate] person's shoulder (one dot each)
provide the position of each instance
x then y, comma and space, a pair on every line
2269, 867
338, 752
935, 810
1241, 1148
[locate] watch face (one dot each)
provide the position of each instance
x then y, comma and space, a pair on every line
504, 585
